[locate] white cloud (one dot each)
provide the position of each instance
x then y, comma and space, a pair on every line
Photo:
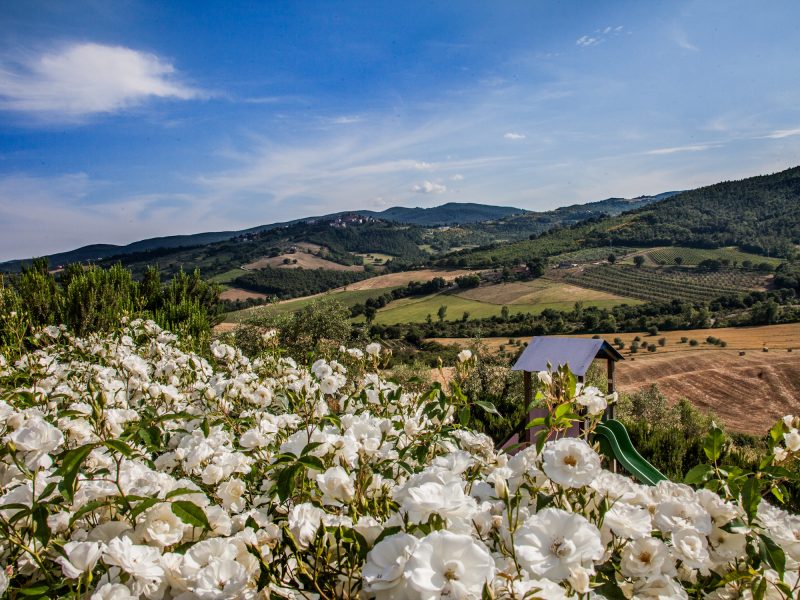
72, 210
586, 40
514, 136
600, 35
688, 148
457, 177
680, 38
84, 79
782, 133
429, 187
346, 120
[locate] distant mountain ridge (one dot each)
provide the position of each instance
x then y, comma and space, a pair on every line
451, 213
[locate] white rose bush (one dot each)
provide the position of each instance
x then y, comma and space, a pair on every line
131, 468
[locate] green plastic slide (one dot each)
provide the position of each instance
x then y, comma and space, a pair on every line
615, 443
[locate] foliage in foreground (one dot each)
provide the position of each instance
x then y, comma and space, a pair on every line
131, 468
89, 300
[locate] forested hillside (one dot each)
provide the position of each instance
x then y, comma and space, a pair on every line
759, 214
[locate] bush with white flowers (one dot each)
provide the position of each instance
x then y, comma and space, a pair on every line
132, 469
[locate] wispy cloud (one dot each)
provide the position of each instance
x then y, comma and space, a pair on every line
587, 40
782, 133
84, 79
682, 40
429, 187
514, 136
687, 148
599, 36
69, 215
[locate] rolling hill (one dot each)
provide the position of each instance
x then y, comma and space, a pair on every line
500, 222
758, 214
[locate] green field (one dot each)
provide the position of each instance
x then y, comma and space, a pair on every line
346, 297
694, 256
227, 276
375, 258
416, 310
591, 254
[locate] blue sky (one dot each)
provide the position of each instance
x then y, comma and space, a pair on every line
126, 120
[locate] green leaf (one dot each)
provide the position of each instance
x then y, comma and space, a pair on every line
543, 501
537, 422
776, 433
463, 415
772, 553
35, 590
286, 481
387, 532
561, 410
70, 466
309, 447
760, 588
87, 508
311, 462
611, 591
751, 497
713, 443
143, 506
190, 513
180, 492
487, 406
41, 530
698, 474
119, 446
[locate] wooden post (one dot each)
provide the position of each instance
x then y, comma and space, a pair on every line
610, 387
527, 435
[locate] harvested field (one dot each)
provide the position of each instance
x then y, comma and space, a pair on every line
234, 294
406, 277
539, 291
304, 260
748, 392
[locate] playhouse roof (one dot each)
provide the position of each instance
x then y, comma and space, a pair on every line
578, 353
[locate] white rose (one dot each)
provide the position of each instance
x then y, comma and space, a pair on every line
792, 440
570, 462
593, 399
691, 547
220, 579
628, 521
114, 591
231, 493
336, 486
447, 500
81, 558
673, 515
646, 557
383, 570
553, 542
446, 564
138, 560
304, 521
37, 439
373, 349
464, 355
